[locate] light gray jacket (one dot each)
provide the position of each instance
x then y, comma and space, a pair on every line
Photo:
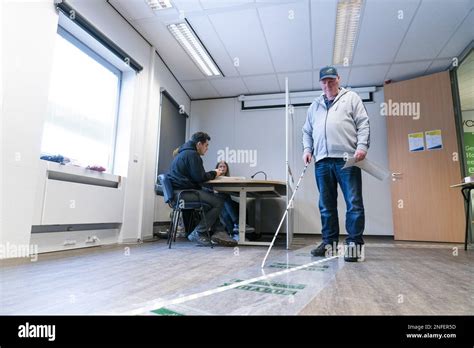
339, 131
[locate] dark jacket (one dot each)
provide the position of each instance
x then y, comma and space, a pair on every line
187, 170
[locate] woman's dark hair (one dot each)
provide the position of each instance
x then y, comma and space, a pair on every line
227, 173
200, 137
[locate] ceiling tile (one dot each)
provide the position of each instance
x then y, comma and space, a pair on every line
200, 89
367, 75
212, 4
323, 20
204, 29
382, 22
229, 87
187, 5
301, 81
433, 25
287, 32
133, 9
241, 33
405, 71
461, 39
439, 65
262, 84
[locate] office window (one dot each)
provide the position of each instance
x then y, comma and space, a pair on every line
83, 105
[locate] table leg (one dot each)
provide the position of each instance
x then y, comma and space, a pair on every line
466, 193
258, 215
242, 214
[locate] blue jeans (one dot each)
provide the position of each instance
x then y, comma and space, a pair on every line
229, 214
329, 173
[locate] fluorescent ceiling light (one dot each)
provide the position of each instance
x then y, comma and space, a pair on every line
193, 47
347, 25
159, 4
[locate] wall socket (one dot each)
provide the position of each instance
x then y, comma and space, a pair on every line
92, 239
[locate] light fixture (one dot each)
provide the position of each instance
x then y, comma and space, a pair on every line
193, 47
159, 4
347, 25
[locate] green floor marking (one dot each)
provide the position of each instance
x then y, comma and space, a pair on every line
293, 265
268, 287
166, 311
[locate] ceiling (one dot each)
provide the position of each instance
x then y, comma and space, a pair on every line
257, 43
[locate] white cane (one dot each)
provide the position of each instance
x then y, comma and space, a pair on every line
284, 215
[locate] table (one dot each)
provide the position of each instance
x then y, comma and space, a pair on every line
249, 188
466, 193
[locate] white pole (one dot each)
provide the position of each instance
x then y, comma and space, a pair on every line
284, 215
287, 100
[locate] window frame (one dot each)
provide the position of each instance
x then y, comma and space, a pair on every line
68, 36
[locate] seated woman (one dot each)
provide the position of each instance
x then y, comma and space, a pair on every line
230, 213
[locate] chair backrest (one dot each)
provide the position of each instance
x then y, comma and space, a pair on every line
159, 189
166, 187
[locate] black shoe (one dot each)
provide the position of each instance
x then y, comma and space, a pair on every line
222, 238
353, 252
323, 250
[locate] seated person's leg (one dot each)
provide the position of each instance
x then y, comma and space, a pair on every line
227, 221
232, 209
213, 206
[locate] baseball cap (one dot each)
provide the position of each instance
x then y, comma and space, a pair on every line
328, 72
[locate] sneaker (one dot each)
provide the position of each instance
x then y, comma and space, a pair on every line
236, 237
248, 229
353, 252
323, 250
222, 238
199, 238
181, 232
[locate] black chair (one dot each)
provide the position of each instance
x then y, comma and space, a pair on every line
179, 205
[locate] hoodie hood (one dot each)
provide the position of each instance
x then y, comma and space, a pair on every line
189, 145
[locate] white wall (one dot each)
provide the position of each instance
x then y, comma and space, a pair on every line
28, 32
28, 35
264, 132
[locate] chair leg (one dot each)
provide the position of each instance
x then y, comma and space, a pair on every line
170, 228
173, 227
180, 213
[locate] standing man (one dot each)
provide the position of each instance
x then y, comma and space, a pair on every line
187, 172
337, 127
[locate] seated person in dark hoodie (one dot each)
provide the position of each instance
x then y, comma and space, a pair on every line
187, 172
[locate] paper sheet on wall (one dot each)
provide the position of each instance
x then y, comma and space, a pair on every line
433, 139
370, 167
415, 142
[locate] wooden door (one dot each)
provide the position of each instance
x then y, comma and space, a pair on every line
424, 207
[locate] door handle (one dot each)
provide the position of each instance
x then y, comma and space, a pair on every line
396, 176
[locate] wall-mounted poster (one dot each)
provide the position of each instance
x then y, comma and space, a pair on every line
433, 139
416, 142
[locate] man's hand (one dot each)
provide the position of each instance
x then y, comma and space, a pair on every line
359, 155
219, 172
307, 157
